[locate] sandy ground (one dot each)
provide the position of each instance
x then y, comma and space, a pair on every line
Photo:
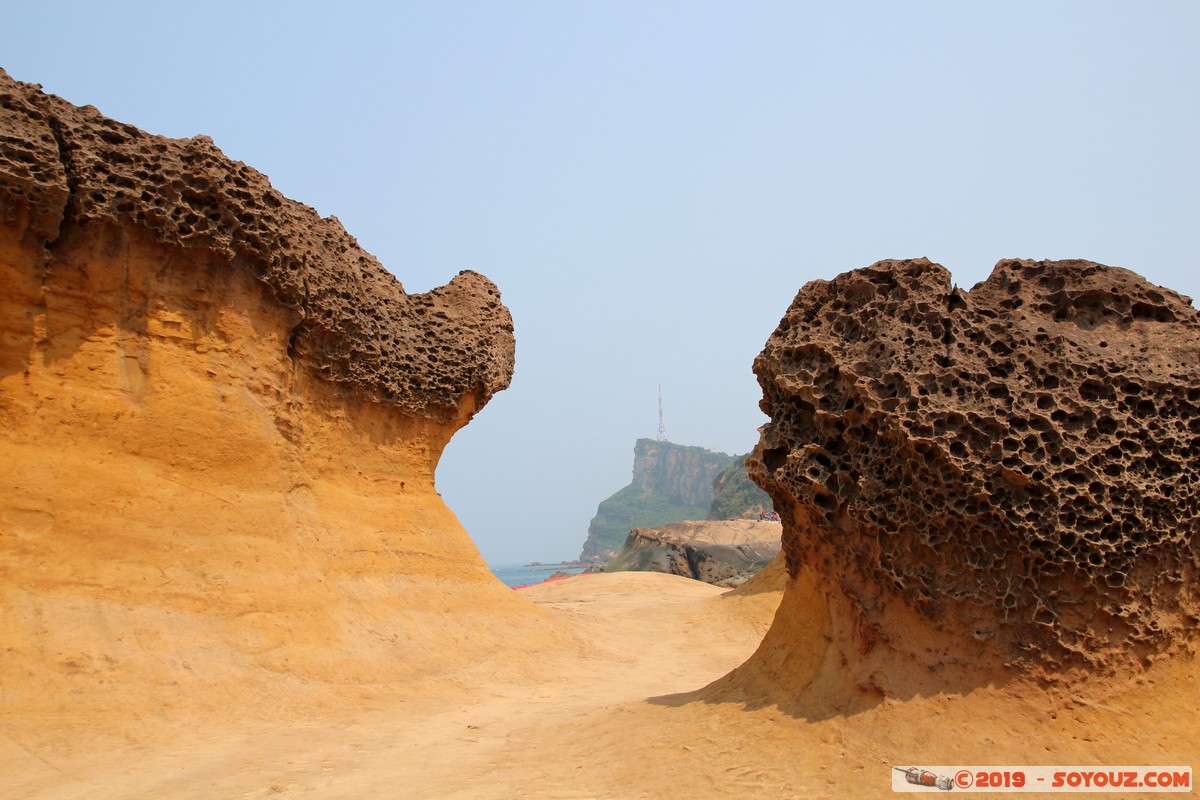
638, 635
618, 716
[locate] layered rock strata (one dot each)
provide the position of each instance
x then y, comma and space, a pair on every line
1005, 476
220, 420
724, 553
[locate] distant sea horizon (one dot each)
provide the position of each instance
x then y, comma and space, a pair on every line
517, 574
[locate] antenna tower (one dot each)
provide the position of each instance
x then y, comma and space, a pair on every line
662, 426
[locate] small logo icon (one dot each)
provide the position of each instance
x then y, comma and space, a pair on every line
923, 777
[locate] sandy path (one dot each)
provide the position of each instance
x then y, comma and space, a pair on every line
616, 716
639, 635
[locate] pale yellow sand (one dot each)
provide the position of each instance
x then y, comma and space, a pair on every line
481, 735
616, 717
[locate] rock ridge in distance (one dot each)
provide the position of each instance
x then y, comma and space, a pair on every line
720, 552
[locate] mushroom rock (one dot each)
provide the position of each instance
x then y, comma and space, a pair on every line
220, 424
979, 484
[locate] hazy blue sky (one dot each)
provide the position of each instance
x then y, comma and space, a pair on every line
650, 183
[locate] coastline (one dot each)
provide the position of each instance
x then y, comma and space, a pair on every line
515, 574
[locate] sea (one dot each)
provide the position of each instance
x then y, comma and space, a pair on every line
524, 574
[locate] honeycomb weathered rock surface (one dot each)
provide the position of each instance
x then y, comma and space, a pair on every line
63, 167
220, 424
1018, 463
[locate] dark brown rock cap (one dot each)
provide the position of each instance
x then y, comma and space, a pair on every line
1019, 463
63, 167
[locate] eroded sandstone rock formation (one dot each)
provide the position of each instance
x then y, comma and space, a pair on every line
219, 422
720, 552
69, 171
1001, 476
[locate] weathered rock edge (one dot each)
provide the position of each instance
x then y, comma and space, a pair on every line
720, 552
1017, 463
441, 355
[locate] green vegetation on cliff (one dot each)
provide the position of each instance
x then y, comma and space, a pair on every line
671, 483
632, 508
735, 495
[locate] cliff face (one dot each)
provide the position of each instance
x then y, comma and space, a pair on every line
221, 420
678, 472
671, 483
1003, 478
735, 496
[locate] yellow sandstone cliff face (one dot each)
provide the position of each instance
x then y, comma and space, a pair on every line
201, 507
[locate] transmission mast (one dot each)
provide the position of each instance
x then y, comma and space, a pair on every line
662, 426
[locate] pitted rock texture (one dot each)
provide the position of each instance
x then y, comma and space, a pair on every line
220, 424
1018, 462
442, 354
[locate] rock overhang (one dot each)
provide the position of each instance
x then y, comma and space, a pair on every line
441, 354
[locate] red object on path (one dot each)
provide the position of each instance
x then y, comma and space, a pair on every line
551, 580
